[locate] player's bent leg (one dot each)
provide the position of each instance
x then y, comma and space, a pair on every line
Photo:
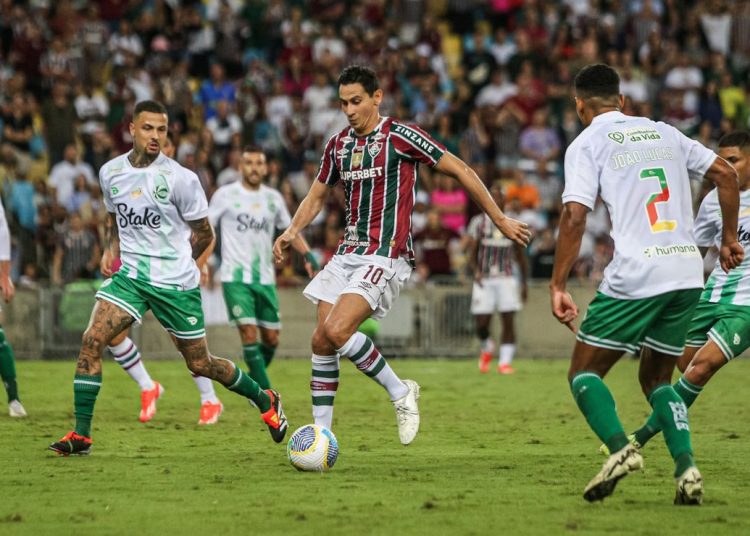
256, 365
269, 341
8, 375
487, 345
202, 363
340, 329
324, 379
128, 356
507, 342
107, 321
672, 416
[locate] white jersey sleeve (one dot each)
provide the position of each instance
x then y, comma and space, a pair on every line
581, 175
706, 221
283, 219
4, 236
189, 197
216, 207
104, 185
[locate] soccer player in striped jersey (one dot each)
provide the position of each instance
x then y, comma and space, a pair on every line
159, 226
7, 359
640, 168
375, 159
128, 356
720, 329
496, 263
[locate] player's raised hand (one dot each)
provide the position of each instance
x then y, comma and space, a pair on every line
105, 264
282, 243
517, 231
731, 256
564, 308
8, 289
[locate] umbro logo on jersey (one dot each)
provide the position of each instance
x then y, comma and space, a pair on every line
342, 152
618, 137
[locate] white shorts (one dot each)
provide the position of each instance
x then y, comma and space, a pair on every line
498, 294
377, 279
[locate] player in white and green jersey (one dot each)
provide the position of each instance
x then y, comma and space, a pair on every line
248, 213
158, 227
720, 329
7, 358
640, 168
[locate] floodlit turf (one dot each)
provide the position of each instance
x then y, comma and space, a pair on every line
496, 455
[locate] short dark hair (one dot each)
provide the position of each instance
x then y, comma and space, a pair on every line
359, 74
737, 138
597, 80
254, 149
149, 106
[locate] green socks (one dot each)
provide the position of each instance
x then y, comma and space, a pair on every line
687, 391
85, 390
256, 365
244, 385
267, 352
597, 405
672, 416
8, 367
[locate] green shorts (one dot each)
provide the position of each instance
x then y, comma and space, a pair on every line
255, 305
727, 325
178, 311
660, 322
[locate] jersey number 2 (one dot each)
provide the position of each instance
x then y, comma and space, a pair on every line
657, 225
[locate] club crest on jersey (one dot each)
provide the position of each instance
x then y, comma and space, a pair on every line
161, 190
616, 137
374, 149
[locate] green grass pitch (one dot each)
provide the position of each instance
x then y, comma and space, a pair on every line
495, 455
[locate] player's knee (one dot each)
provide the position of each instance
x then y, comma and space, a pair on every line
94, 340
270, 339
199, 367
336, 333
320, 344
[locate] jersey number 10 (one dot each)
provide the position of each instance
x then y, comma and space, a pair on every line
657, 225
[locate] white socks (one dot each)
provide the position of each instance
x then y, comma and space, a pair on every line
129, 358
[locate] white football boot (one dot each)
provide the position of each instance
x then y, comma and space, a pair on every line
407, 413
620, 464
15, 409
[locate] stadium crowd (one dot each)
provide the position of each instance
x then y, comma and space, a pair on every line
490, 79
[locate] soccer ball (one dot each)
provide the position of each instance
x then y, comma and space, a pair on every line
312, 448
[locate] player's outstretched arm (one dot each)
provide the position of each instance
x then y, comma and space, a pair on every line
724, 176
310, 206
460, 170
572, 227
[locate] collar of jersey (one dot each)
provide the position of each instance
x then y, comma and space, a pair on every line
373, 131
157, 161
608, 117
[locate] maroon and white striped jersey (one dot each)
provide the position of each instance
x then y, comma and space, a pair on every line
379, 175
496, 254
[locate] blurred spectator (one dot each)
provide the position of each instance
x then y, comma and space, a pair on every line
64, 174
92, 109
59, 117
419, 216
540, 145
542, 255
231, 173
432, 246
224, 126
450, 202
77, 253
523, 190
18, 128
124, 43
216, 89
497, 91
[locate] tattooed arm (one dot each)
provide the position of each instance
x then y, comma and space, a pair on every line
111, 246
202, 237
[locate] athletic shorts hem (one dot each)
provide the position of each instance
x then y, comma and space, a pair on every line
119, 303
721, 343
